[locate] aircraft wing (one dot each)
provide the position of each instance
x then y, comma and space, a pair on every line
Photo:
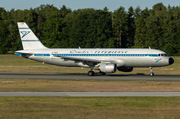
85, 61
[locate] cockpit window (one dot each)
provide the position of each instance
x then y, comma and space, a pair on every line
163, 55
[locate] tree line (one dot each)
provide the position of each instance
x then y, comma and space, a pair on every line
157, 28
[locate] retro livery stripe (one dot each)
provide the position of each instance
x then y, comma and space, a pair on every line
24, 28
100, 55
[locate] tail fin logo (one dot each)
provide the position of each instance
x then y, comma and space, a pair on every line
25, 33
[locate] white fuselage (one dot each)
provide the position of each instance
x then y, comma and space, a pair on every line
121, 57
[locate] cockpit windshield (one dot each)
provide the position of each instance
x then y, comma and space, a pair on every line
163, 55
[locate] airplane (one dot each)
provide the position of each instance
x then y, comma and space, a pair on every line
106, 60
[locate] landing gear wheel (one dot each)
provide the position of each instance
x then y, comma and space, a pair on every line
102, 73
90, 73
151, 71
151, 74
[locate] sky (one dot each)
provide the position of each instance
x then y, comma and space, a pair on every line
79, 4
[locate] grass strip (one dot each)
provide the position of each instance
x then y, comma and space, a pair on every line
90, 107
26, 85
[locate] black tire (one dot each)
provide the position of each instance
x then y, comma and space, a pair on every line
151, 74
102, 73
90, 73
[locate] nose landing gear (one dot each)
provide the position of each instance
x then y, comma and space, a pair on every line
151, 71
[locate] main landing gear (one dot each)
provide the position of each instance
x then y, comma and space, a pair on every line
91, 73
102, 73
151, 71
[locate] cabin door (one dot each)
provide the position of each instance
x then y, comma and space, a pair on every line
148, 57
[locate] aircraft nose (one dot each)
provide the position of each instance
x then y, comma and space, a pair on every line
171, 61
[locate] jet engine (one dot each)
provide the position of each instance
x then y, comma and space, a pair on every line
108, 67
125, 69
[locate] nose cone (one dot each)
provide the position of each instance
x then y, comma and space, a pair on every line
171, 61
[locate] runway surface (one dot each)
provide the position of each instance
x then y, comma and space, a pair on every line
89, 94
108, 77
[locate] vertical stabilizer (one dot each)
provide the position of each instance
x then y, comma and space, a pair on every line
28, 38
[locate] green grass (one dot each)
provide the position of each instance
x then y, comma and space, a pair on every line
90, 107
24, 85
13, 63
84, 107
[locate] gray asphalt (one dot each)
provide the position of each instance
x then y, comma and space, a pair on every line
108, 77
89, 94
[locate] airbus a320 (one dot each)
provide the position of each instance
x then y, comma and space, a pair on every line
105, 60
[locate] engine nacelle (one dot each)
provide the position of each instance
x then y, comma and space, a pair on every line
125, 69
108, 67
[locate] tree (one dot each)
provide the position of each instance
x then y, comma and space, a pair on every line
131, 28
158, 27
3, 38
90, 28
52, 29
120, 26
141, 29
